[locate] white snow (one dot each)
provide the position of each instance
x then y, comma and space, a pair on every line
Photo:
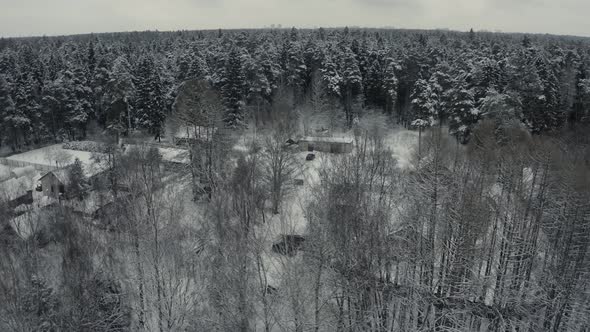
23, 171
15, 187
328, 139
46, 156
403, 144
174, 155
4, 173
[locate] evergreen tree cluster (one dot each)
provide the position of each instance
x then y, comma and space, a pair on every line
52, 88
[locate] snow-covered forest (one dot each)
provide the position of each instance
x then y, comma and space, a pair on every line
454, 194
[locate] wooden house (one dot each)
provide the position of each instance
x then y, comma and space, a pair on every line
55, 183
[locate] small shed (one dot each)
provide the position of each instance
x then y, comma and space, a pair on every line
326, 144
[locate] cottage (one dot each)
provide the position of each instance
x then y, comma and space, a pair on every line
54, 183
326, 144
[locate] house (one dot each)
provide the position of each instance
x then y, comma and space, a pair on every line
55, 183
326, 144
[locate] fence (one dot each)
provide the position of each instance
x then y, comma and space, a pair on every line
16, 164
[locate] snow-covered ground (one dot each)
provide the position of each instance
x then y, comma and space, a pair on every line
15, 187
53, 155
4, 173
292, 220
403, 144
173, 155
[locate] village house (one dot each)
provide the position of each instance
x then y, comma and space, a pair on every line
326, 144
55, 183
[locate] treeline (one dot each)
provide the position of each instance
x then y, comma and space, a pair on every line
52, 88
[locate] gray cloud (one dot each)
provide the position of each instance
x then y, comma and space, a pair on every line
37, 17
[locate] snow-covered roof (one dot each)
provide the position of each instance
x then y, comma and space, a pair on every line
15, 187
90, 170
347, 140
62, 175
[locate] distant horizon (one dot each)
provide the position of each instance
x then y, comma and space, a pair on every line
283, 27
30, 18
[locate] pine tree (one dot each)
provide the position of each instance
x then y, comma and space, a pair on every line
441, 83
463, 113
99, 84
580, 102
78, 102
259, 87
119, 94
78, 185
375, 93
424, 105
295, 72
525, 80
7, 114
504, 110
390, 85
54, 103
26, 108
234, 90
485, 75
332, 77
149, 104
54, 66
197, 66
265, 58
183, 65
471, 34
8, 63
583, 115
91, 59
551, 116
351, 84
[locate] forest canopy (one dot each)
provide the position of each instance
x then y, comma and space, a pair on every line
52, 88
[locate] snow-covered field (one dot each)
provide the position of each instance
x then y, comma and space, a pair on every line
52, 156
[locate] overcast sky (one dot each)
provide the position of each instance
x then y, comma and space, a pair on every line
55, 17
